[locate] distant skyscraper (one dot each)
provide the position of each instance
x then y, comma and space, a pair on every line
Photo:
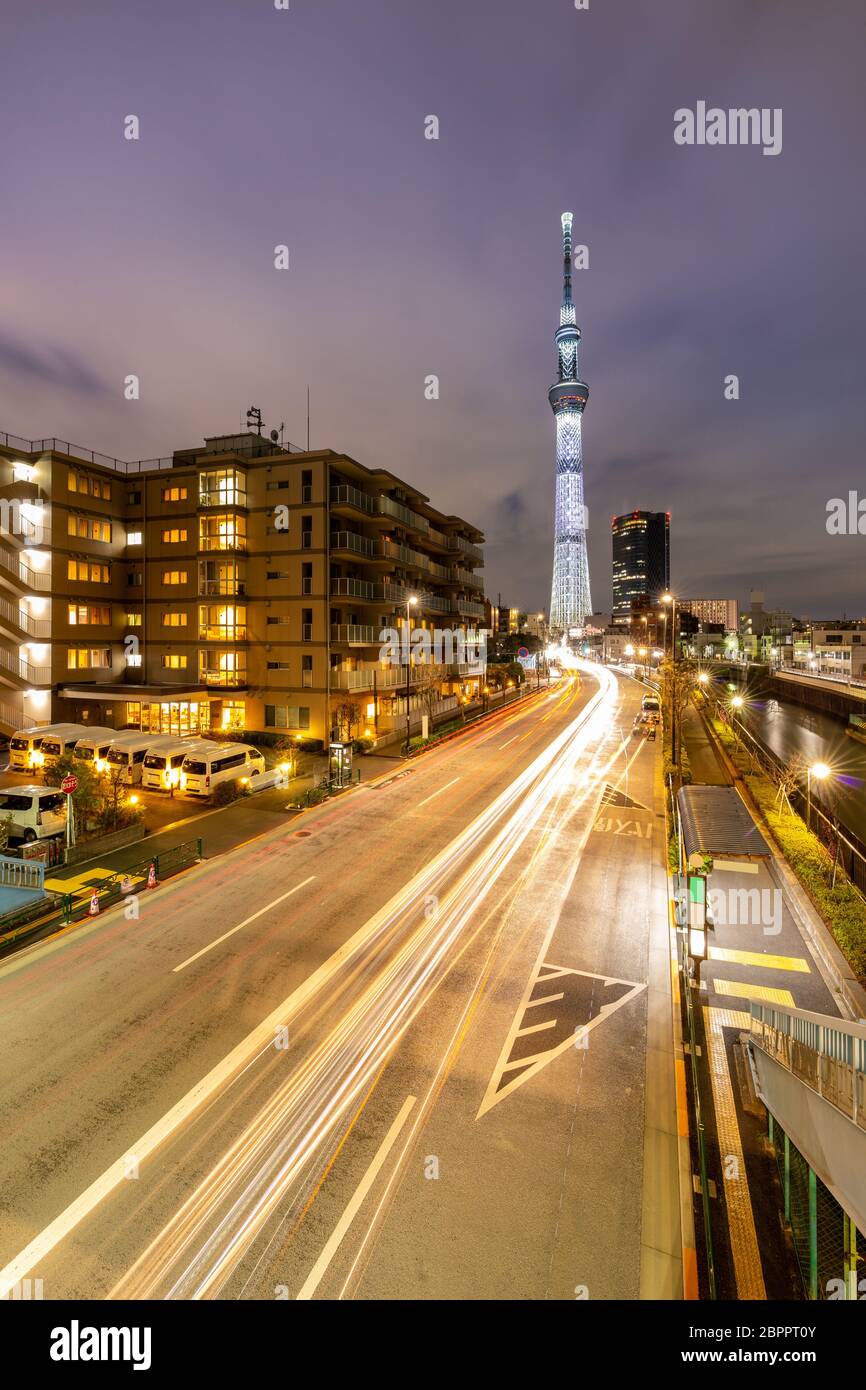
570, 602
641, 560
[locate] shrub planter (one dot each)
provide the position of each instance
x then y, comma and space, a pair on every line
104, 844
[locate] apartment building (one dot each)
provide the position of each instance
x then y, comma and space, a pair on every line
240, 585
724, 612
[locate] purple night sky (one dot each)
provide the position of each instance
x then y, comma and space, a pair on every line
411, 257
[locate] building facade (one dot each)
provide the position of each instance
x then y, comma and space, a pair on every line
240, 585
717, 611
641, 561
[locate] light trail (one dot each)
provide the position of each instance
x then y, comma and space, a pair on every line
265, 1161
291, 1128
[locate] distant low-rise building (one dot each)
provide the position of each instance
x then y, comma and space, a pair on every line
717, 611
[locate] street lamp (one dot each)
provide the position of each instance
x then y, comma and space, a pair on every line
818, 771
669, 598
410, 603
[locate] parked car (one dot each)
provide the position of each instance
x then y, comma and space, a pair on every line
36, 812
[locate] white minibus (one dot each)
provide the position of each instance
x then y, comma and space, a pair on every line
59, 739
128, 752
93, 747
22, 745
160, 769
204, 769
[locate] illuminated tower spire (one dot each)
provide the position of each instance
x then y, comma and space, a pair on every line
570, 602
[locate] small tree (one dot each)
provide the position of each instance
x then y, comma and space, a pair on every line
87, 797
5, 832
429, 689
789, 776
678, 683
348, 717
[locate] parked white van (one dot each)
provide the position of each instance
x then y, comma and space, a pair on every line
23, 744
128, 752
93, 747
160, 769
59, 739
203, 769
36, 812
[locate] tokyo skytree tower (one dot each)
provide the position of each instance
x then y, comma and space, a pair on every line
570, 602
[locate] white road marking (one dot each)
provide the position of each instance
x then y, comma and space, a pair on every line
439, 793
505, 745
245, 923
314, 1278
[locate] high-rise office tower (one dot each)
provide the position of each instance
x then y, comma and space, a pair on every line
641, 560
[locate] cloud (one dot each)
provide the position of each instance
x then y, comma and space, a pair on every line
53, 365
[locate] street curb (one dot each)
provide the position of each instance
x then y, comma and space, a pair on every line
691, 1290
811, 924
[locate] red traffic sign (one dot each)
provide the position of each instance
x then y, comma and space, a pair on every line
69, 784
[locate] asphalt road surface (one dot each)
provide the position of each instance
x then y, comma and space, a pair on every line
395, 1049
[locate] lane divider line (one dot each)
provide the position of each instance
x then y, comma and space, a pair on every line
335, 1240
245, 923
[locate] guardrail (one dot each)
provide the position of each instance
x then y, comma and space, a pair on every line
849, 847
828, 1056
72, 907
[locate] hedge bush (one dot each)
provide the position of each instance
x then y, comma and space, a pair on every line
842, 908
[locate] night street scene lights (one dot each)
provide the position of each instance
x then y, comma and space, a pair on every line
411, 601
820, 771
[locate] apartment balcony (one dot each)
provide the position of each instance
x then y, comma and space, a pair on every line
412, 559
234, 497
20, 575
222, 588
400, 512
432, 603
356, 588
227, 542
18, 624
215, 676
350, 544
21, 674
464, 579
468, 610
355, 634
222, 633
463, 547
394, 677
350, 501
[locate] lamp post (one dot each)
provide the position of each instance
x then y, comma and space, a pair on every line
818, 771
410, 603
669, 598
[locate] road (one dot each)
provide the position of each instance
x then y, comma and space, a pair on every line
409, 1046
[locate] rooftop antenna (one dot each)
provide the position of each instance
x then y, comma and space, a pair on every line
277, 435
308, 419
254, 417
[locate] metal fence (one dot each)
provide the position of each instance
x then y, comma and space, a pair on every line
830, 1249
838, 840
133, 879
